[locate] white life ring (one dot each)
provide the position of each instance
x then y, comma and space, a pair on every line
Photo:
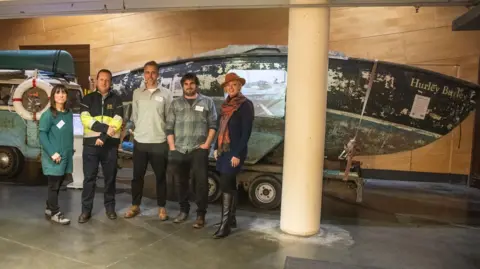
18, 97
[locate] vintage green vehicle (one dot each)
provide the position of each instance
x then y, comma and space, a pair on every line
26, 79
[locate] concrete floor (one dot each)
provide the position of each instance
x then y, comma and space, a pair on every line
399, 225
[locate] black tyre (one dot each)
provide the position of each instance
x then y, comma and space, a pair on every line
265, 192
214, 191
11, 161
21, 160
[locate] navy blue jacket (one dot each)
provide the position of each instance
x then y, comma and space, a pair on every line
240, 127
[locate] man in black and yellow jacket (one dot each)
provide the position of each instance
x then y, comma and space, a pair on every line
101, 115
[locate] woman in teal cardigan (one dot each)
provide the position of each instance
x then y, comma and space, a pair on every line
56, 138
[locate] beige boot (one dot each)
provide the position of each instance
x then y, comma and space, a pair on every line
132, 212
162, 214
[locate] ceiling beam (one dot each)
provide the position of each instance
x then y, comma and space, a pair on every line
30, 8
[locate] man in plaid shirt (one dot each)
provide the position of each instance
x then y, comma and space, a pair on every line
191, 126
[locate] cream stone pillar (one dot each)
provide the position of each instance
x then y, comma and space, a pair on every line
308, 35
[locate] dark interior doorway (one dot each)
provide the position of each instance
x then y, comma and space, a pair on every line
81, 58
474, 179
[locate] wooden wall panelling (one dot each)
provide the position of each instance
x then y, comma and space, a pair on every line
444, 16
465, 67
461, 153
356, 23
440, 43
59, 22
26, 26
133, 55
234, 19
144, 26
434, 157
96, 34
446, 69
397, 161
385, 47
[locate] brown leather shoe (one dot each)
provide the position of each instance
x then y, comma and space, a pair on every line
162, 214
132, 212
199, 222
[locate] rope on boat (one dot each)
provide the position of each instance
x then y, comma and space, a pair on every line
350, 147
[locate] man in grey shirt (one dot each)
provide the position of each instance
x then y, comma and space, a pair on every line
191, 127
149, 107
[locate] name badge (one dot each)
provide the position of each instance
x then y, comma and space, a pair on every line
158, 98
60, 124
199, 108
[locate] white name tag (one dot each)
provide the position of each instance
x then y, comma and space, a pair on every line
60, 124
158, 98
199, 108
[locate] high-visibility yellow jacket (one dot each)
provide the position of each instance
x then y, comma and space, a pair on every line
98, 113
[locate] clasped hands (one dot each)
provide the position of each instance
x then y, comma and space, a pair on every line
110, 132
56, 157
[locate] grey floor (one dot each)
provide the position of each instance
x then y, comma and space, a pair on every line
399, 225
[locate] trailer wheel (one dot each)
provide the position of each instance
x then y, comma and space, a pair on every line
214, 190
11, 161
265, 192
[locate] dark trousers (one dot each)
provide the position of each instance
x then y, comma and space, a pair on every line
196, 164
92, 157
54, 183
157, 156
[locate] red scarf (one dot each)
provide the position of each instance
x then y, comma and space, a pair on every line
228, 107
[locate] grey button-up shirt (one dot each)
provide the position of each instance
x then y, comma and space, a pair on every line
149, 114
190, 124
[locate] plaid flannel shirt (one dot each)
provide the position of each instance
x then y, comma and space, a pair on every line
190, 123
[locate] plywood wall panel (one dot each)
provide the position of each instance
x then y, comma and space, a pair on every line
446, 69
97, 34
440, 43
15, 42
462, 146
20, 27
434, 157
53, 23
355, 23
465, 67
133, 55
445, 15
400, 161
233, 20
144, 26
386, 48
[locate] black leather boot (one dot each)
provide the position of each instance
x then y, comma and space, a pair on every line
233, 219
224, 229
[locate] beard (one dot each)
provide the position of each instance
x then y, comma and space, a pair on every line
189, 92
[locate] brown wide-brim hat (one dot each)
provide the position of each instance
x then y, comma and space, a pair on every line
231, 77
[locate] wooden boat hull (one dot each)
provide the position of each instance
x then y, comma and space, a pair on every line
408, 107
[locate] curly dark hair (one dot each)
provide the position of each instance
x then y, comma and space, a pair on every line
190, 76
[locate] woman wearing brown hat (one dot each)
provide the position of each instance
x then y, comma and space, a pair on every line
234, 131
